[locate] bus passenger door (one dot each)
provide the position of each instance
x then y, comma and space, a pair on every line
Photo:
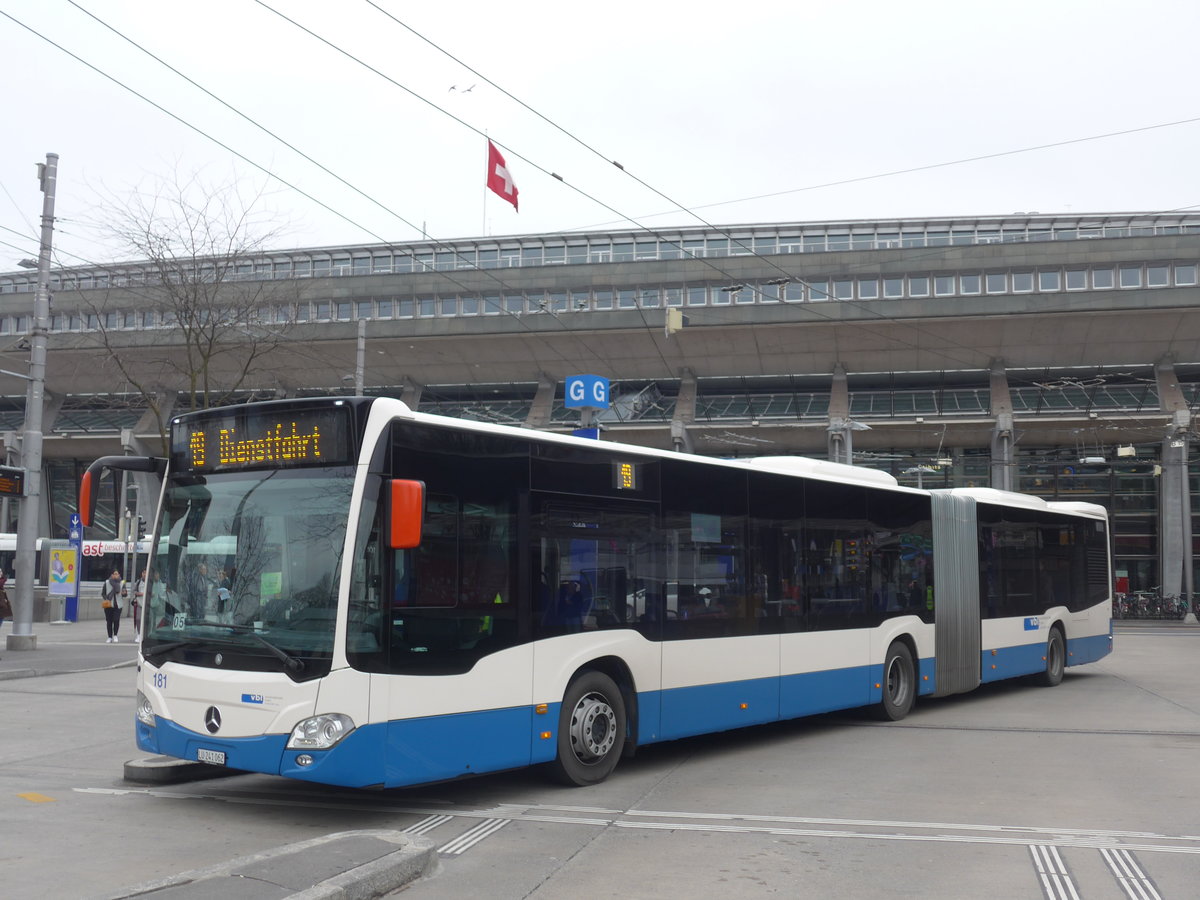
596, 595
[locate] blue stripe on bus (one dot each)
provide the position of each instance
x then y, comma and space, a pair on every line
254, 754
926, 676
1010, 662
406, 751
1088, 649
717, 707
439, 748
1029, 659
818, 692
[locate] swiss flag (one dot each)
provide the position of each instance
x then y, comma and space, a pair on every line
498, 179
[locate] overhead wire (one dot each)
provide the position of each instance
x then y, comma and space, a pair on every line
790, 275
467, 125
258, 166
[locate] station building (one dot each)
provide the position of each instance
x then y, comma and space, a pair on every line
1053, 355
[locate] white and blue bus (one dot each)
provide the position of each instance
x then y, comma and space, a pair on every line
349, 592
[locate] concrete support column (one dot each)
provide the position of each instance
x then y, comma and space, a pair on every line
841, 440
412, 393
1003, 433
543, 403
1175, 513
685, 413
1174, 491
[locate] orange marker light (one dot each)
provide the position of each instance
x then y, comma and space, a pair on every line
541, 709
546, 735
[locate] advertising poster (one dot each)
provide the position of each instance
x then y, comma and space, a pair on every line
64, 573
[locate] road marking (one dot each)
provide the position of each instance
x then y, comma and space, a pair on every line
1133, 881
729, 823
472, 836
36, 798
427, 824
1052, 872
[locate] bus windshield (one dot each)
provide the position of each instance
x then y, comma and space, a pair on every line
247, 563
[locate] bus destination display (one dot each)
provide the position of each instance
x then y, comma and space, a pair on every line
288, 439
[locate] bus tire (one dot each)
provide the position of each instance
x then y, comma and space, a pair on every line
1056, 660
591, 730
899, 683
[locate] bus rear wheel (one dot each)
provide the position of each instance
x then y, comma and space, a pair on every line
1056, 660
899, 683
591, 730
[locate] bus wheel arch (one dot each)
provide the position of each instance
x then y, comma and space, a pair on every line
1056, 657
592, 728
899, 680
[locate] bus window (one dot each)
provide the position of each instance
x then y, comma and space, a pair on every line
453, 597
592, 566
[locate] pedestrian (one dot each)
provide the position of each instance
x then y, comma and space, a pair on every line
5, 607
139, 588
110, 600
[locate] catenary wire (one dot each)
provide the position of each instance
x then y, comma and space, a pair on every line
791, 276
691, 211
273, 175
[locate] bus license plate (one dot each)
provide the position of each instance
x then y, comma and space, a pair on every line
212, 757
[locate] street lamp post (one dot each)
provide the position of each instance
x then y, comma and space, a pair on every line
22, 637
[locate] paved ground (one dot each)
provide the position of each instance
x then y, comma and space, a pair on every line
351, 864
370, 863
73, 647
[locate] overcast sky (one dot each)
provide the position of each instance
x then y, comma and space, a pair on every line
750, 112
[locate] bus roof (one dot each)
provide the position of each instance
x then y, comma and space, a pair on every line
1029, 501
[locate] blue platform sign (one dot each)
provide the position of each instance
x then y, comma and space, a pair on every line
586, 392
73, 559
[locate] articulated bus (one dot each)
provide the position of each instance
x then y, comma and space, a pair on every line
349, 592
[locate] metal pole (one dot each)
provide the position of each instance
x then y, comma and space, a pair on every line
360, 363
22, 637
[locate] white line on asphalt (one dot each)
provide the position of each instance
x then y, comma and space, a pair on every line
473, 836
1094, 833
427, 824
1052, 872
714, 822
1133, 881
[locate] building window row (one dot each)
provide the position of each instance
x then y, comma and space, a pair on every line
609, 248
816, 290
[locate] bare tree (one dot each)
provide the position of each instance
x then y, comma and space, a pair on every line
195, 249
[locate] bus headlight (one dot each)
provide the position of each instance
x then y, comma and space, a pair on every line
320, 732
145, 712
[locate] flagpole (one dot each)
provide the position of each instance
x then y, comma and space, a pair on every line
483, 227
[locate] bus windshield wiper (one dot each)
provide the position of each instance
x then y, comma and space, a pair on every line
162, 649
293, 663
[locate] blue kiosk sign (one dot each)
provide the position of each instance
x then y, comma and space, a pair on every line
586, 393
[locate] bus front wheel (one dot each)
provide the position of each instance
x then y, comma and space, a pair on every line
591, 730
1056, 660
899, 683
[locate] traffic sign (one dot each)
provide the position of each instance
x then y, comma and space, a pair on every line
586, 392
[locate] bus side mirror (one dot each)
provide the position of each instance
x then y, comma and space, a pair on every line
89, 485
407, 514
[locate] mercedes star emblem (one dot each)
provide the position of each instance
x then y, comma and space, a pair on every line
212, 720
